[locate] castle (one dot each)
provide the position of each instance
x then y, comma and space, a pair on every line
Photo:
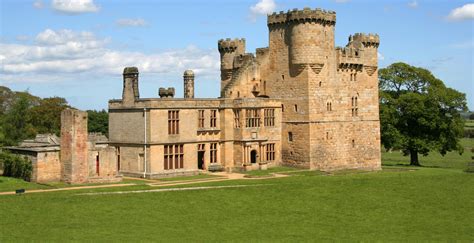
301, 101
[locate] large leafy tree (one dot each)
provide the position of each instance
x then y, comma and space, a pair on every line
46, 117
15, 122
418, 112
98, 121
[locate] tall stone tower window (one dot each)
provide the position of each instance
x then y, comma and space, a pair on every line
282, 108
296, 108
236, 118
213, 118
354, 76
269, 117
213, 151
200, 118
290, 137
173, 122
355, 108
329, 106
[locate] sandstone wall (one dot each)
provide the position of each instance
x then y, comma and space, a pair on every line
74, 152
47, 167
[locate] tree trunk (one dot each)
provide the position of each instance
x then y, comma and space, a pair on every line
414, 158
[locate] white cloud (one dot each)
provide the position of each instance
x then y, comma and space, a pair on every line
341, 1
465, 12
263, 7
64, 54
131, 22
51, 37
38, 4
413, 4
380, 56
74, 6
22, 37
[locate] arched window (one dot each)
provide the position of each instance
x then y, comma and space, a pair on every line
354, 106
329, 106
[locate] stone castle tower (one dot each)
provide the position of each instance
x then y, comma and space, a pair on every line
329, 95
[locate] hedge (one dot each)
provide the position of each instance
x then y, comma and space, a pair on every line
16, 166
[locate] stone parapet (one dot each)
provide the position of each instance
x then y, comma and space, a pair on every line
368, 40
302, 16
230, 45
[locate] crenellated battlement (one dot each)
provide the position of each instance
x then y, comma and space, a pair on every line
302, 16
277, 18
230, 45
348, 52
349, 58
368, 40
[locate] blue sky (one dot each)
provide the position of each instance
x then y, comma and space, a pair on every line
77, 49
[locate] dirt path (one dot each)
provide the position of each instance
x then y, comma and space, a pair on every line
224, 176
69, 188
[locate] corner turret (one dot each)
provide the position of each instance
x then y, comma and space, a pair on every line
368, 44
229, 49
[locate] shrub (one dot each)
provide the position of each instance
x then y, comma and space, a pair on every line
469, 133
16, 166
470, 167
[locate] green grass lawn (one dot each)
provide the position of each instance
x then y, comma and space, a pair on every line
187, 178
269, 171
434, 159
12, 184
399, 203
469, 123
428, 204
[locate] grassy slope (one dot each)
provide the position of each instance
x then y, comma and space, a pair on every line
426, 204
399, 203
269, 171
11, 184
434, 159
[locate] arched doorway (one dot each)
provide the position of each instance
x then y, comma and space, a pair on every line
253, 156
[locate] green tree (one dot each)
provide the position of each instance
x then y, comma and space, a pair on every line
98, 121
46, 117
418, 112
16, 122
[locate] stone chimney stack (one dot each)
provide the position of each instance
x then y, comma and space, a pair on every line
188, 84
130, 86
